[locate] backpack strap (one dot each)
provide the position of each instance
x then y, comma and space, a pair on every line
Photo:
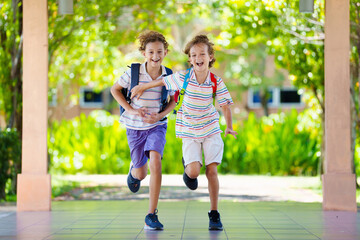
179, 95
182, 91
135, 72
164, 93
214, 86
168, 71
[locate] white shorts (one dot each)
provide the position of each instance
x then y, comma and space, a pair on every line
212, 146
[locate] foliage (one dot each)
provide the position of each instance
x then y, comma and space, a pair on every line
97, 144
274, 28
10, 62
94, 144
285, 32
10, 157
90, 47
272, 145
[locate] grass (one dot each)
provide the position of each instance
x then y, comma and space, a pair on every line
61, 187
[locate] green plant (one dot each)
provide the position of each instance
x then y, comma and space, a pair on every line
93, 144
10, 160
281, 144
272, 145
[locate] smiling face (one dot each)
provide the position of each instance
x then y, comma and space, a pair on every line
154, 54
199, 57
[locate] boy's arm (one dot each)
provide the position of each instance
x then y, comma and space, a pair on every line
155, 117
119, 97
228, 118
138, 90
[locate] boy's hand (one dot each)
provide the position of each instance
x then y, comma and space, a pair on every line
140, 111
137, 91
152, 118
230, 131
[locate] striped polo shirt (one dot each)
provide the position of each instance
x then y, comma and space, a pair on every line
150, 99
197, 117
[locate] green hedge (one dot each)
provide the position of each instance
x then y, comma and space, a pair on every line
10, 161
281, 144
272, 145
94, 144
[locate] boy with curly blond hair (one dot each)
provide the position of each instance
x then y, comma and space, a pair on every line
145, 123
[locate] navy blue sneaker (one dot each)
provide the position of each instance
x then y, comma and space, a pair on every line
133, 183
152, 222
214, 220
191, 183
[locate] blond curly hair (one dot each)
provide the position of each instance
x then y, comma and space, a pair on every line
151, 36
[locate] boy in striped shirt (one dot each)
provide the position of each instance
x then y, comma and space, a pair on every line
146, 136
197, 121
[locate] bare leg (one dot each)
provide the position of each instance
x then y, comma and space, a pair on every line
155, 180
193, 169
213, 185
139, 173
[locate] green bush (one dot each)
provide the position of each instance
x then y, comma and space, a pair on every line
94, 144
10, 160
275, 145
281, 144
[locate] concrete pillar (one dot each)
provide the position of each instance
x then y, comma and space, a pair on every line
339, 189
34, 183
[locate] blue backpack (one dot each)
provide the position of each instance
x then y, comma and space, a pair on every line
135, 72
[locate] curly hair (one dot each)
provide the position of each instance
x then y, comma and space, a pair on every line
201, 39
151, 36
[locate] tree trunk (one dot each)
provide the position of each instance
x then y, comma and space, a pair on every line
2, 192
322, 148
16, 74
264, 98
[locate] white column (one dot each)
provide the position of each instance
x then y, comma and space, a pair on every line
34, 183
339, 189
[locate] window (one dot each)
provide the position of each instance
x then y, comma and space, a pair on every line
254, 100
289, 96
280, 97
90, 98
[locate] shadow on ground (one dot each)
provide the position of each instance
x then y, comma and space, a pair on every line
167, 193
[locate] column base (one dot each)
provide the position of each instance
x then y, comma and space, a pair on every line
34, 192
339, 191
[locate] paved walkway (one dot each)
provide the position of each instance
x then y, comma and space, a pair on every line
251, 207
186, 219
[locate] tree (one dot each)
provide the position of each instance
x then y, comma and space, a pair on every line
295, 39
247, 31
89, 47
11, 63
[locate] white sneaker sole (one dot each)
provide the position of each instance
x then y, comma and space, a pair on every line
215, 229
146, 227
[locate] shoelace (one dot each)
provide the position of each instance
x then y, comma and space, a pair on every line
153, 216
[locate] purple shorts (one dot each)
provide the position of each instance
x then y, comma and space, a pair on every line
141, 142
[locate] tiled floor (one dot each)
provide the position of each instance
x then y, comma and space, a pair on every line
182, 220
